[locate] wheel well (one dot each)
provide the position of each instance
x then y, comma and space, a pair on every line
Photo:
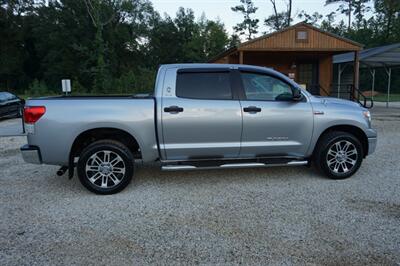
356, 131
89, 136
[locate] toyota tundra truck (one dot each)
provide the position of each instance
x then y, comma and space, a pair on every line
200, 116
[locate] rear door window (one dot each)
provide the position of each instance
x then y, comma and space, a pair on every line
204, 85
3, 97
6, 96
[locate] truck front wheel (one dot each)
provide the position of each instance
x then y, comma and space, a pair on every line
338, 155
105, 167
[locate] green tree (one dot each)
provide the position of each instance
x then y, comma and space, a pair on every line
359, 10
188, 32
101, 13
234, 40
312, 19
213, 37
345, 7
249, 25
388, 16
162, 46
13, 49
279, 20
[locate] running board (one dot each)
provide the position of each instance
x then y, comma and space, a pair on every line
175, 167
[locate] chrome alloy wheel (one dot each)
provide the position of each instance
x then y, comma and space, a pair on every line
342, 157
105, 169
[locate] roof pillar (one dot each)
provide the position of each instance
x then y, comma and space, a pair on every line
241, 57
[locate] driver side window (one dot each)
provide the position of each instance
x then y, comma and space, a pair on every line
265, 87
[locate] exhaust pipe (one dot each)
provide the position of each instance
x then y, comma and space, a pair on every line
62, 170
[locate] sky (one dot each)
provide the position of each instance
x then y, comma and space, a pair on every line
222, 9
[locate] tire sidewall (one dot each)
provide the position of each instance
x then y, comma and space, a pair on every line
96, 147
323, 156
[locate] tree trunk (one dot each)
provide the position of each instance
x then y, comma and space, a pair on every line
276, 14
349, 26
289, 13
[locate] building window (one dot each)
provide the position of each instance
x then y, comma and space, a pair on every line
301, 35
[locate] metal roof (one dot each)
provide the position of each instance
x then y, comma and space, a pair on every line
388, 55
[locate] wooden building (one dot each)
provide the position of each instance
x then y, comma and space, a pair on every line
302, 52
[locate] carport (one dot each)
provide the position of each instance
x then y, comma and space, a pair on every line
386, 57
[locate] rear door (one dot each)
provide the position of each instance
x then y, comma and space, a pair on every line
13, 103
201, 115
273, 124
4, 107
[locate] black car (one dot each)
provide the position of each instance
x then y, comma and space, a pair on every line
10, 105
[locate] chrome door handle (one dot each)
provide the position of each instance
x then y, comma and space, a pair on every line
252, 109
173, 109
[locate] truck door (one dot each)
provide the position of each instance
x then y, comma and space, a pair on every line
273, 124
201, 116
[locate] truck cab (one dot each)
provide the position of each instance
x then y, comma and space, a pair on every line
231, 112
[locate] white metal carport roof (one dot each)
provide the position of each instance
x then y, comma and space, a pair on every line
387, 56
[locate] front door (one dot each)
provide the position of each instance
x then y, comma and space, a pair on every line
307, 75
273, 124
202, 120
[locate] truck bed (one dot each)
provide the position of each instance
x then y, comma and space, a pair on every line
67, 117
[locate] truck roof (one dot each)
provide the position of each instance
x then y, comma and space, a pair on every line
211, 65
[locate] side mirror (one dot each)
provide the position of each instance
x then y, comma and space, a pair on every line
297, 96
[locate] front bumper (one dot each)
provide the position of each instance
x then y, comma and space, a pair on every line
31, 154
372, 140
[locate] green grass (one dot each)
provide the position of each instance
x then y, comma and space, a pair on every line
394, 97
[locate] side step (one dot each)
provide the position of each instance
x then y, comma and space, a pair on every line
175, 167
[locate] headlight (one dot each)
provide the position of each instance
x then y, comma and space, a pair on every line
367, 115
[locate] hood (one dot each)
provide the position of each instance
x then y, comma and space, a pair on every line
333, 100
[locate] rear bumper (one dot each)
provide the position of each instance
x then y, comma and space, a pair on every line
31, 154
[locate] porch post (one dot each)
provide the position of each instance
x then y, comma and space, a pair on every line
241, 57
356, 74
338, 78
388, 87
373, 83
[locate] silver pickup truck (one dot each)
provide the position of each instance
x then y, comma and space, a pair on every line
200, 116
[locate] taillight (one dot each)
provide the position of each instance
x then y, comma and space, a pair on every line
33, 113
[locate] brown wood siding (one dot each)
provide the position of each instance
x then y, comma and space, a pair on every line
278, 61
234, 59
286, 41
222, 60
325, 74
282, 62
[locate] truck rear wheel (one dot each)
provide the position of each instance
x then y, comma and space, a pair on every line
338, 155
105, 167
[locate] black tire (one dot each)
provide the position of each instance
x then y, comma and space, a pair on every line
332, 164
116, 151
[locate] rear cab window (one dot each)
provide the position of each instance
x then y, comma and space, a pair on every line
207, 85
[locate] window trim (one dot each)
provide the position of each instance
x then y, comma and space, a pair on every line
234, 94
243, 96
302, 40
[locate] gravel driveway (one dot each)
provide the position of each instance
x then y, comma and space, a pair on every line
249, 216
